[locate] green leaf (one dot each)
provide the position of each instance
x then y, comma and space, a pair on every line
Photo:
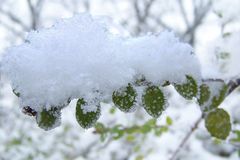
154, 101
130, 138
236, 137
117, 132
16, 93
161, 130
205, 94
125, 98
169, 121
86, 119
112, 110
218, 123
139, 157
151, 122
212, 94
146, 129
189, 89
219, 98
49, 119
100, 128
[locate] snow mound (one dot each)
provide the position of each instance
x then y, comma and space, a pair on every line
80, 56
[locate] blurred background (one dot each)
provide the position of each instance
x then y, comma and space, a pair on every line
212, 27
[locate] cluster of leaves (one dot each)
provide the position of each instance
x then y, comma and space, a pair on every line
209, 94
119, 131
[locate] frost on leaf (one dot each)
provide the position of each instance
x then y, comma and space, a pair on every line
217, 91
218, 99
154, 101
189, 89
125, 98
204, 94
86, 118
218, 123
49, 119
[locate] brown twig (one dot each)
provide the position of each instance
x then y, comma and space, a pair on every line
232, 85
185, 139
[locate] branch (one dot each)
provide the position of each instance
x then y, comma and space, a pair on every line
187, 136
232, 85
13, 30
183, 12
35, 12
200, 12
14, 19
142, 15
160, 22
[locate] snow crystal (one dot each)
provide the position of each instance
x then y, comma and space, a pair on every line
80, 56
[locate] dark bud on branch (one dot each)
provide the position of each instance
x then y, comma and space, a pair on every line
29, 111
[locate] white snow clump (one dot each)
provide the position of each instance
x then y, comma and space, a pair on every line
79, 56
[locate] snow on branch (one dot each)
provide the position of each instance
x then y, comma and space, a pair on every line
80, 57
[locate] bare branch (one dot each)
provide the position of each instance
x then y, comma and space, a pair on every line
14, 19
200, 12
183, 12
187, 136
35, 11
232, 85
13, 30
143, 14
159, 22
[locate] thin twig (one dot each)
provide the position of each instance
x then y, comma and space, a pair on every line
232, 85
14, 19
185, 139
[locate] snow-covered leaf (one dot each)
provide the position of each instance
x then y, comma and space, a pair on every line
204, 94
212, 95
49, 119
218, 99
154, 101
189, 89
125, 98
80, 54
85, 115
218, 123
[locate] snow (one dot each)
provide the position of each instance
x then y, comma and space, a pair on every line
215, 88
79, 56
89, 108
231, 46
222, 57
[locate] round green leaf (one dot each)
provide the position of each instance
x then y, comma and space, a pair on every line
125, 98
218, 123
49, 119
154, 101
189, 89
86, 119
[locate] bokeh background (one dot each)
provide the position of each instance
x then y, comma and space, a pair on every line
212, 27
